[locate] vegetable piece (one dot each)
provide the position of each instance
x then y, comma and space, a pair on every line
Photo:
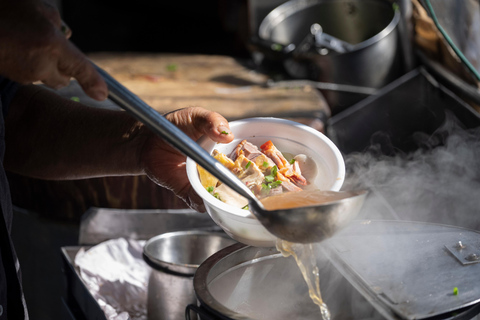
224, 132
248, 164
210, 189
292, 161
76, 99
455, 291
246, 207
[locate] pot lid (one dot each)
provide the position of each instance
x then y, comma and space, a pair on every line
418, 270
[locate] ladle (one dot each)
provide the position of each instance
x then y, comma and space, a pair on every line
302, 225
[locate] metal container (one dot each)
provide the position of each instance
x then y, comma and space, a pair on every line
174, 258
370, 27
371, 270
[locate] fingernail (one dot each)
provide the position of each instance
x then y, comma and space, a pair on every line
224, 130
99, 95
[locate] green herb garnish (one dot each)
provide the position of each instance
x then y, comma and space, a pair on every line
274, 171
275, 184
172, 67
265, 186
210, 189
248, 164
265, 164
246, 207
76, 99
217, 196
269, 178
292, 161
224, 132
455, 291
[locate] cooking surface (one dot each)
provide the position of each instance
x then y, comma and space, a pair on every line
410, 267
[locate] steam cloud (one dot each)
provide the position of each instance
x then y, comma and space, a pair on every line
439, 183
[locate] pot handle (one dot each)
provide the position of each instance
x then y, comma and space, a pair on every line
197, 310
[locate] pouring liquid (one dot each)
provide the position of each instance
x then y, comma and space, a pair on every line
305, 259
302, 198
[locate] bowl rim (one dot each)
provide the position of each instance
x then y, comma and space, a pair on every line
238, 213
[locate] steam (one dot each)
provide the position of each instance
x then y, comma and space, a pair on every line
439, 183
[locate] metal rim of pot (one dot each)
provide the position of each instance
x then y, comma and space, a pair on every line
200, 284
210, 308
282, 11
183, 269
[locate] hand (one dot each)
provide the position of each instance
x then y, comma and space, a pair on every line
35, 48
166, 166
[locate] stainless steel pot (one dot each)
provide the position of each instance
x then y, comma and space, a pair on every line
371, 27
174, 258
372, 270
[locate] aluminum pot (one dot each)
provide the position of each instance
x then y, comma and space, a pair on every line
368, 26
174, 258
370, 270
371, 28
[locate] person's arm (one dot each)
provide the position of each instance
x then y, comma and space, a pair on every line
50, 137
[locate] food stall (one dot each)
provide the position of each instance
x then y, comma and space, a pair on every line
382, 81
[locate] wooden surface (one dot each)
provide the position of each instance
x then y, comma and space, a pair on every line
167, 82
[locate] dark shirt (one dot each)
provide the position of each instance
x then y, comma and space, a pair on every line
12, 302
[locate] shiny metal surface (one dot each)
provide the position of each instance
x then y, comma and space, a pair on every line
174, 258
369, 26
314, 223
399, 268
303, 225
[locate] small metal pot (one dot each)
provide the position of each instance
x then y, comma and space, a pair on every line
174, 258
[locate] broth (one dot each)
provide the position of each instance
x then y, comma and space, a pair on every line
303, 198
305, 259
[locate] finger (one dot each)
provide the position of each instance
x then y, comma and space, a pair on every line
212, 124
73, 63
50, 12
56, 80
197, 121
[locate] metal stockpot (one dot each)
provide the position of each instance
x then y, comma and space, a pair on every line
370, 27
174, 258
371, 270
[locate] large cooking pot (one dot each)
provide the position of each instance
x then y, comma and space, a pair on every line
371, 270
368, 27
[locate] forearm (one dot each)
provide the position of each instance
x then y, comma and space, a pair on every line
49, 137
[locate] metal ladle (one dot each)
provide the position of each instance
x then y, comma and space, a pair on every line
301, 225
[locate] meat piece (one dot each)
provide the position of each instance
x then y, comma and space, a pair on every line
287, 184
264, 163
292, 172
273, 153
307, 166
249, 150
250, 176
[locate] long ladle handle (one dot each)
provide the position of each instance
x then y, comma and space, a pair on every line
141, 111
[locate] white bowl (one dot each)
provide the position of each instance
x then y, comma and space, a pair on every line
289, 137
